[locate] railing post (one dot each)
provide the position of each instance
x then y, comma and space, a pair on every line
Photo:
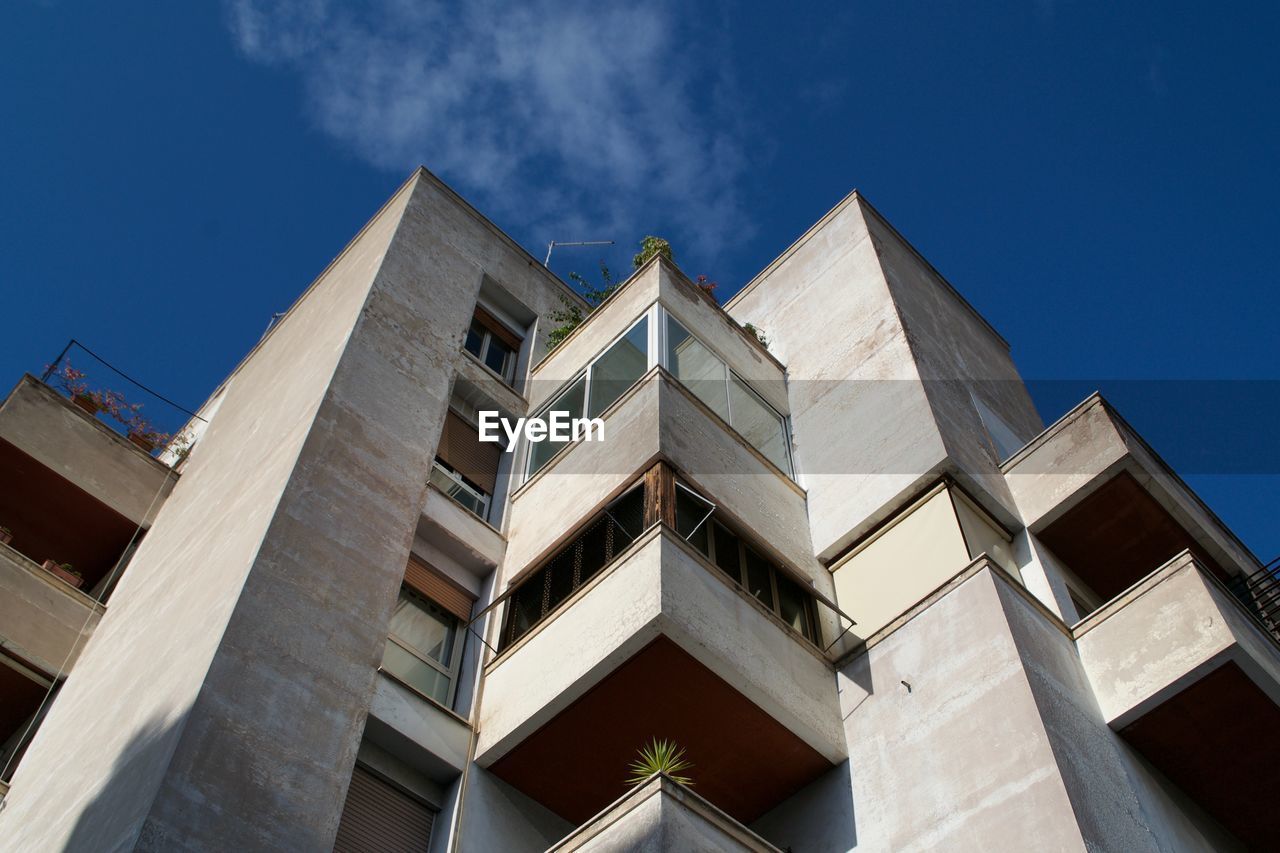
659, 495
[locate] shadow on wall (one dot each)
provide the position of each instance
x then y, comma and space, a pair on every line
819, 818
110, 820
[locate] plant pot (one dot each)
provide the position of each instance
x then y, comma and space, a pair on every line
87, 403
142, 441
57, 571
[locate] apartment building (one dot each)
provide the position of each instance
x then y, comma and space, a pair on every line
851, 573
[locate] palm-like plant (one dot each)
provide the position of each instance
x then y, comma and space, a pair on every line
659, 756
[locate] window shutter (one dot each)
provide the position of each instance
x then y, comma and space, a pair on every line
379, 818
461, 447
497, 328
432, 583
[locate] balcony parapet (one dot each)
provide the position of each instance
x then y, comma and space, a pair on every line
46, 426
1165, 633
1091, 446
43, 619
662, 814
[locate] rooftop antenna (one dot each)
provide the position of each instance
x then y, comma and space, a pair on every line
551, 246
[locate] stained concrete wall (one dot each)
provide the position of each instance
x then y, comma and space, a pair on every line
47, 427
252, 617
882, 356
1119, 802
958, 354
862, 430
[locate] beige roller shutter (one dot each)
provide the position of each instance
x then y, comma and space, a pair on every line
432, 583
380, 818
461, 447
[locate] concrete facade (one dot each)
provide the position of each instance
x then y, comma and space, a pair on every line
1016, 677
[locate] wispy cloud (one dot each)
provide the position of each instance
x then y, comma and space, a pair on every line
582, 117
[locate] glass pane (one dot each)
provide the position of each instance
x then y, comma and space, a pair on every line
727, 556
758, 424
499, 357
526, 607
475, 339
758, 578
691, 510
469, 498
424, 628
418, 674
696, 368
570, 402
793, 605
619, 368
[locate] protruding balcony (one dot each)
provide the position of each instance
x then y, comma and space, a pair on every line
1112, 510
1184, 673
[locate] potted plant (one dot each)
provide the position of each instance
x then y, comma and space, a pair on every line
6, 535
143, 434
64, 572
659, 756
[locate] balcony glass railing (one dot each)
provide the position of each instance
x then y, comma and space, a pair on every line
452, 484
663, 341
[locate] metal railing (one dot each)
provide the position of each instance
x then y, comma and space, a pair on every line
1260, 594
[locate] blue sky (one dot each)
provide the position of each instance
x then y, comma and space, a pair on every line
1100, 182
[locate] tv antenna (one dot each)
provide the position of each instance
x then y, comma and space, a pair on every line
551, 246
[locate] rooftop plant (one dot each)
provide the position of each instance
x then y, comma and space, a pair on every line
659, 756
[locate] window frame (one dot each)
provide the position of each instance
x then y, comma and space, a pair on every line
585, 375
478, 318
453, 671
437, 464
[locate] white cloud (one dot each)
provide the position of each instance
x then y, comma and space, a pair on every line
582, 118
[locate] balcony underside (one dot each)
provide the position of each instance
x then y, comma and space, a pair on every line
1184, 674
744, 761
659, 645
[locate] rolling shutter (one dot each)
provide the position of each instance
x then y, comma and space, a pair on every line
461, 447
435, 586
497, 328
380, 818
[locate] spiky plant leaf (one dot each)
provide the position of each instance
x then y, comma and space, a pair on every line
659, 756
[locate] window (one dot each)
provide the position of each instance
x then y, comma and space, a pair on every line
605, 380
380, 816
712, 382
600, 542
758, 577
493, 344
466, 468
423, 647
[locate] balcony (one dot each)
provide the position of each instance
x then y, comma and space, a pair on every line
663, 815
423, 734
75, 491
44, 620
1187, 676
1112, 510
660, 643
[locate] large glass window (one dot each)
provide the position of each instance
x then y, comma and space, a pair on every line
423, 647
697, 368
619, 368
571, 402
605, 380
712, 382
